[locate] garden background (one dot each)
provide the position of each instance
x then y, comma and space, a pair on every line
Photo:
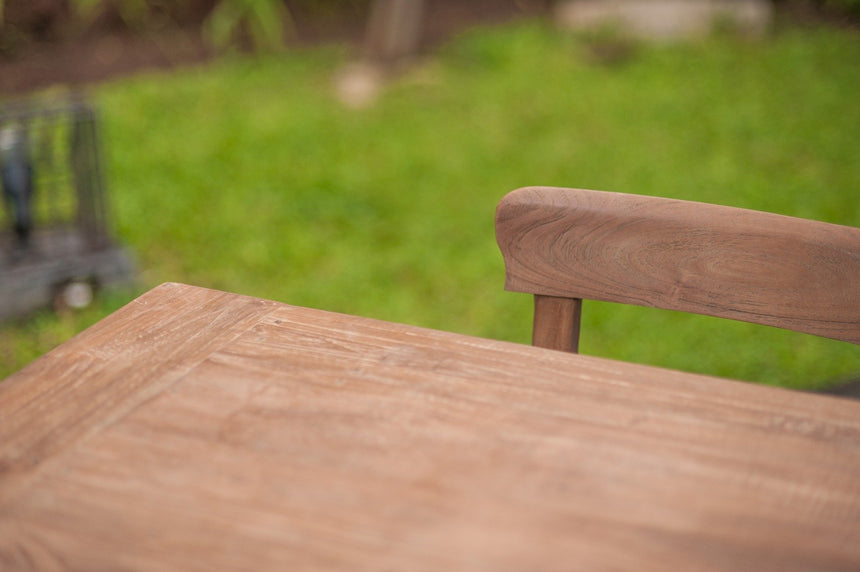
246, 172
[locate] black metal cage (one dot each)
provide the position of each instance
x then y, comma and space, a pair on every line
56, 229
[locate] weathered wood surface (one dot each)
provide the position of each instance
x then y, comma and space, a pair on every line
764, 268
197, 430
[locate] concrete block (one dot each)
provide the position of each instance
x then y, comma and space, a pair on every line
665, 19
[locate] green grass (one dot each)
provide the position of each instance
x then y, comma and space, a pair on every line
249, 176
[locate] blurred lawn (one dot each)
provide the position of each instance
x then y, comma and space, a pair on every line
249, 176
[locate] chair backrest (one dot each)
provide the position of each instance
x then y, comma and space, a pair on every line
566, 245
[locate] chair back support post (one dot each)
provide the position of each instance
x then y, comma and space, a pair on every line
556, 323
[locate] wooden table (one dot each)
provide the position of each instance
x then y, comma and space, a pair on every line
200, 430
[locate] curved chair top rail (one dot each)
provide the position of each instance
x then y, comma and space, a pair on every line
770, 269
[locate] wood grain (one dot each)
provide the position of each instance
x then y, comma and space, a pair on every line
556, 323
111, 368
764, 268
291, 438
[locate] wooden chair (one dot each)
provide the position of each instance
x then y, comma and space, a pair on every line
566, 245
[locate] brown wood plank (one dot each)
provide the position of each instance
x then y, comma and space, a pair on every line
309, 439
87, 383
556, 323
764, 268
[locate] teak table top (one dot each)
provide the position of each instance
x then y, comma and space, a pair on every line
200, 430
